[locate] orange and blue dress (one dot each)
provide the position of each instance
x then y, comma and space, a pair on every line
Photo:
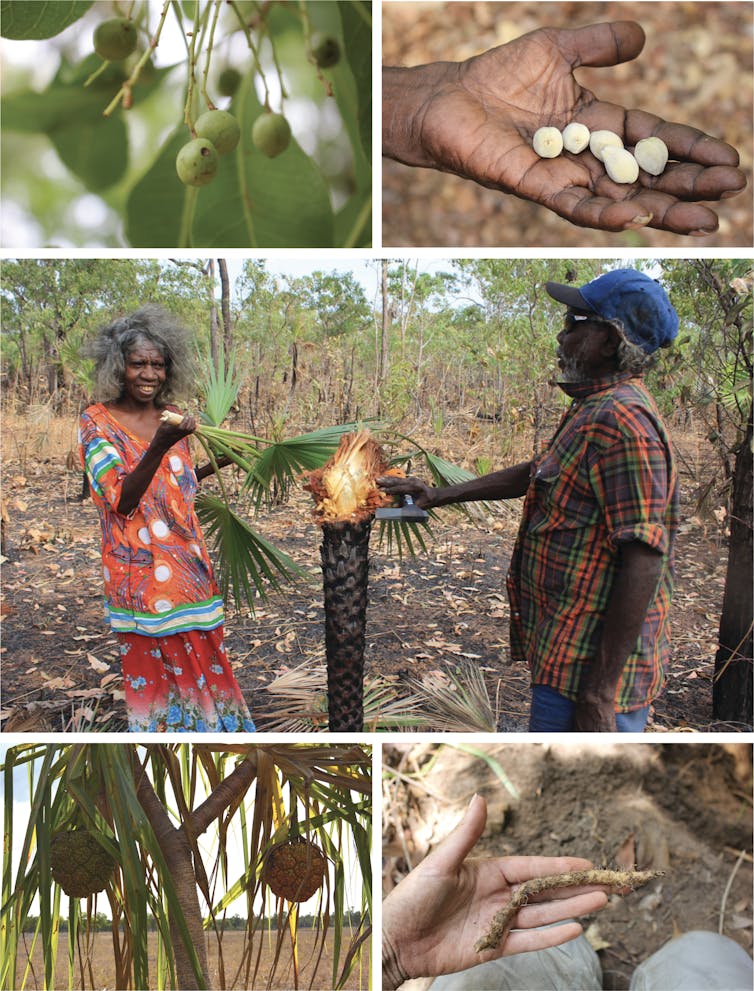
161, 599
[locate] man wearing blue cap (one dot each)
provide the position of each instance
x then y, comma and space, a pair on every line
591, 573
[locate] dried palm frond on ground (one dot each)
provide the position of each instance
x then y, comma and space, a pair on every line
299, 703
458, 704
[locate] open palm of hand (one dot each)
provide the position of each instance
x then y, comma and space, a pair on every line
432, 920
479, 123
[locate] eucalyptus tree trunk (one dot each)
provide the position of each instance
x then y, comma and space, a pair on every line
732, 686
344, 554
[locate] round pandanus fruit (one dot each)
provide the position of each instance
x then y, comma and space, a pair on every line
346, 498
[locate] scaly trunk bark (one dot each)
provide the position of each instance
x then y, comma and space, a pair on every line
345, 573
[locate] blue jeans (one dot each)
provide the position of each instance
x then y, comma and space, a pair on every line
552, 712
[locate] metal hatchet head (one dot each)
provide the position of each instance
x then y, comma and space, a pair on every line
408, 512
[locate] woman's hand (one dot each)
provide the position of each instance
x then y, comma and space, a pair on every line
433, 918
477, 119
169, 433
136, 483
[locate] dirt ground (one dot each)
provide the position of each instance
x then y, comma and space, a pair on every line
690, 71
317, 977
681, 808
433, 620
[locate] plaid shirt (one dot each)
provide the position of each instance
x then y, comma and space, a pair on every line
606, 478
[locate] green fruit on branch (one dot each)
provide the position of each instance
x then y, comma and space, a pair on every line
325, 50
228, 81
79, 864
115, 39
295, 870
271, 134
220, 128
196, 163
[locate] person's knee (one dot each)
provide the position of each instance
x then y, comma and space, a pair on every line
699, 960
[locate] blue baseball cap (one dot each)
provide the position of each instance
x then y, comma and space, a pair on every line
638, 302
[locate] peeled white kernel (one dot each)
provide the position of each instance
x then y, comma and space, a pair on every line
652, 155
620, 164
547, 142
575, 137
599, 140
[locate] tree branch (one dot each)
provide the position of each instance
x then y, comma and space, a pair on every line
226, 792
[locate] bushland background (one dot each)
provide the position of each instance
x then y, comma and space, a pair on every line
457, 356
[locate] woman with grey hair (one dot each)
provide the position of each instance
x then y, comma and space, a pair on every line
161, 599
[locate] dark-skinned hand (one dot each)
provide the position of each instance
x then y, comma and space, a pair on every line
476, 119
168, 434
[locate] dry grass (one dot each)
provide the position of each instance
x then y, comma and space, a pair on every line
38, 435
103, 971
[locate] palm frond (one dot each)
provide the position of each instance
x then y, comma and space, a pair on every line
247, 565
460, 705
399, 536
444, 472
219, 386
282, 462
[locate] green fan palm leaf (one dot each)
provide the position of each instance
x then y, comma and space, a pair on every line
281, 463
219, 385
247, 564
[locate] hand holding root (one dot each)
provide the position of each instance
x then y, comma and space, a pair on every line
502, 922
432, 918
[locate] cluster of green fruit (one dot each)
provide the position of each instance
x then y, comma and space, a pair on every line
216, 131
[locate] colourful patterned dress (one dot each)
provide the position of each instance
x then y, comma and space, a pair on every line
161, 599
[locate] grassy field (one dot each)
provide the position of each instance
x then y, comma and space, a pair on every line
99, 971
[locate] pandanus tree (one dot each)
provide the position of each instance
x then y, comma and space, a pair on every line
286, 822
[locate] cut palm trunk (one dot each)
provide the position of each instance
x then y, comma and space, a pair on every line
344, 552
346, 498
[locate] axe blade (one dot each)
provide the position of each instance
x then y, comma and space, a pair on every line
409, 512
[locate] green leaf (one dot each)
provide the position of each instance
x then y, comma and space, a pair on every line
26, 20
247, 564
95, 151
445, 473
156, 203
353, 223
254, 201
357, 32
219, 386
93, 147
282, 463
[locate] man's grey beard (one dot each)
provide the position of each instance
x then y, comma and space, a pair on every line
572, 371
